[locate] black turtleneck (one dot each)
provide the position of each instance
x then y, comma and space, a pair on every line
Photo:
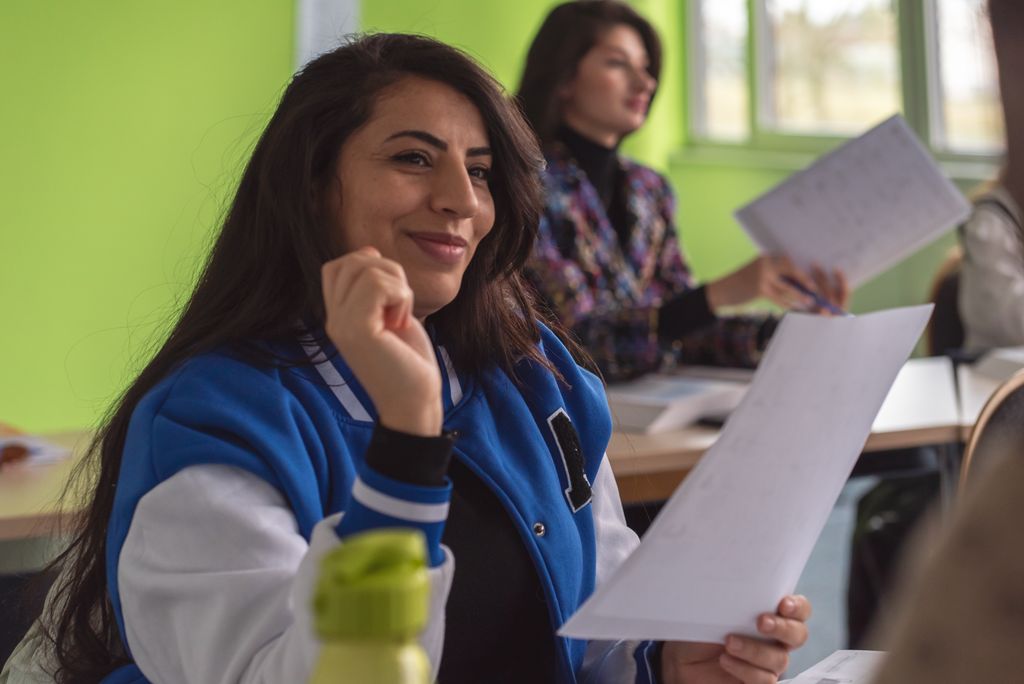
601, 166
600, 163
684, 313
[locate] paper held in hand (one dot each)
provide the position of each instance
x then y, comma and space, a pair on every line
735, 536
861, 208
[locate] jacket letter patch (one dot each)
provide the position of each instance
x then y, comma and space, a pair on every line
578, 493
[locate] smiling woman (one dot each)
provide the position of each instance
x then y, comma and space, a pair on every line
359, 353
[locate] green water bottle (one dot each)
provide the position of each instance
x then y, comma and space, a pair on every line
369, 604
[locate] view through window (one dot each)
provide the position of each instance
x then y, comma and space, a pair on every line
827, 68
971, 118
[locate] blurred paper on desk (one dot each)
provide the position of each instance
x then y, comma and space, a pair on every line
662, 401
29, 451
1000, 363
735, 536
722, 373
861, 208
843, 667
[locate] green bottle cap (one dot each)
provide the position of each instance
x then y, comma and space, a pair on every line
374, 585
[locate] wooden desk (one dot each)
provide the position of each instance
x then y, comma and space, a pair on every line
29, 494
921, 409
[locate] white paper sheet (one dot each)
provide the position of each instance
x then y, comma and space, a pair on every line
843, 667
735, 536
862, 207
659, 402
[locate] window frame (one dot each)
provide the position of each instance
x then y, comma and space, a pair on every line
920, 91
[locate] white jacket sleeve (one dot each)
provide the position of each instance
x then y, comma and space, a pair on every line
215, 582
613, 662
992, 281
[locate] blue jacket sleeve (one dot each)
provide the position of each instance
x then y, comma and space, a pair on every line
379, 501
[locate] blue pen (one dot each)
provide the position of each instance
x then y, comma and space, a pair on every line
819, 301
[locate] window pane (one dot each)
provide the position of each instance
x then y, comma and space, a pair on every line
721, 92
972, 120
829, 66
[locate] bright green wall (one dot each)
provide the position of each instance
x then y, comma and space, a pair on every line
495, 33
122, 127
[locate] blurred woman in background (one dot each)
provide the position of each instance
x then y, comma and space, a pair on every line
607, 258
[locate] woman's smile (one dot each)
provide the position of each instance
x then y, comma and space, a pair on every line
447, 248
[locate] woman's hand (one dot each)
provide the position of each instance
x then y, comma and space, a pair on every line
774, 277
742, 659
368, 306
834, 290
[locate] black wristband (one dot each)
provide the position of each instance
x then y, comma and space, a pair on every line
765, 332
410, 458
685, 313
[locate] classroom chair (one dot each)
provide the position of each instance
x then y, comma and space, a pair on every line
998, 432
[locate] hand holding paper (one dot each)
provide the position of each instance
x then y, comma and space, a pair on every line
746, 659
861, 208
735, 536
776, 278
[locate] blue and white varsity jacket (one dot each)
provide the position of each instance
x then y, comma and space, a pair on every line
283, 448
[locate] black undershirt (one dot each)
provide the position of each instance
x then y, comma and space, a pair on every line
601, 166
497, 627
688, 311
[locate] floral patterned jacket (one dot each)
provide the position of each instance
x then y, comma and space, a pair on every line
609, 293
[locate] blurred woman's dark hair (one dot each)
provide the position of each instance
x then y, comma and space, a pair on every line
1007, 20
263, 275
567, 34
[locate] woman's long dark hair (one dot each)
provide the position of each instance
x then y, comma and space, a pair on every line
568, 33
263, 275
1007, 20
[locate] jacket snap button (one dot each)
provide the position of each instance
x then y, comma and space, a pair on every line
539, 529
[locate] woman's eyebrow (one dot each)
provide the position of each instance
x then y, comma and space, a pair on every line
431, 140
622, 53
434, 141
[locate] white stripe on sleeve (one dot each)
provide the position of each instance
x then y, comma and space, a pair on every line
398, 508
